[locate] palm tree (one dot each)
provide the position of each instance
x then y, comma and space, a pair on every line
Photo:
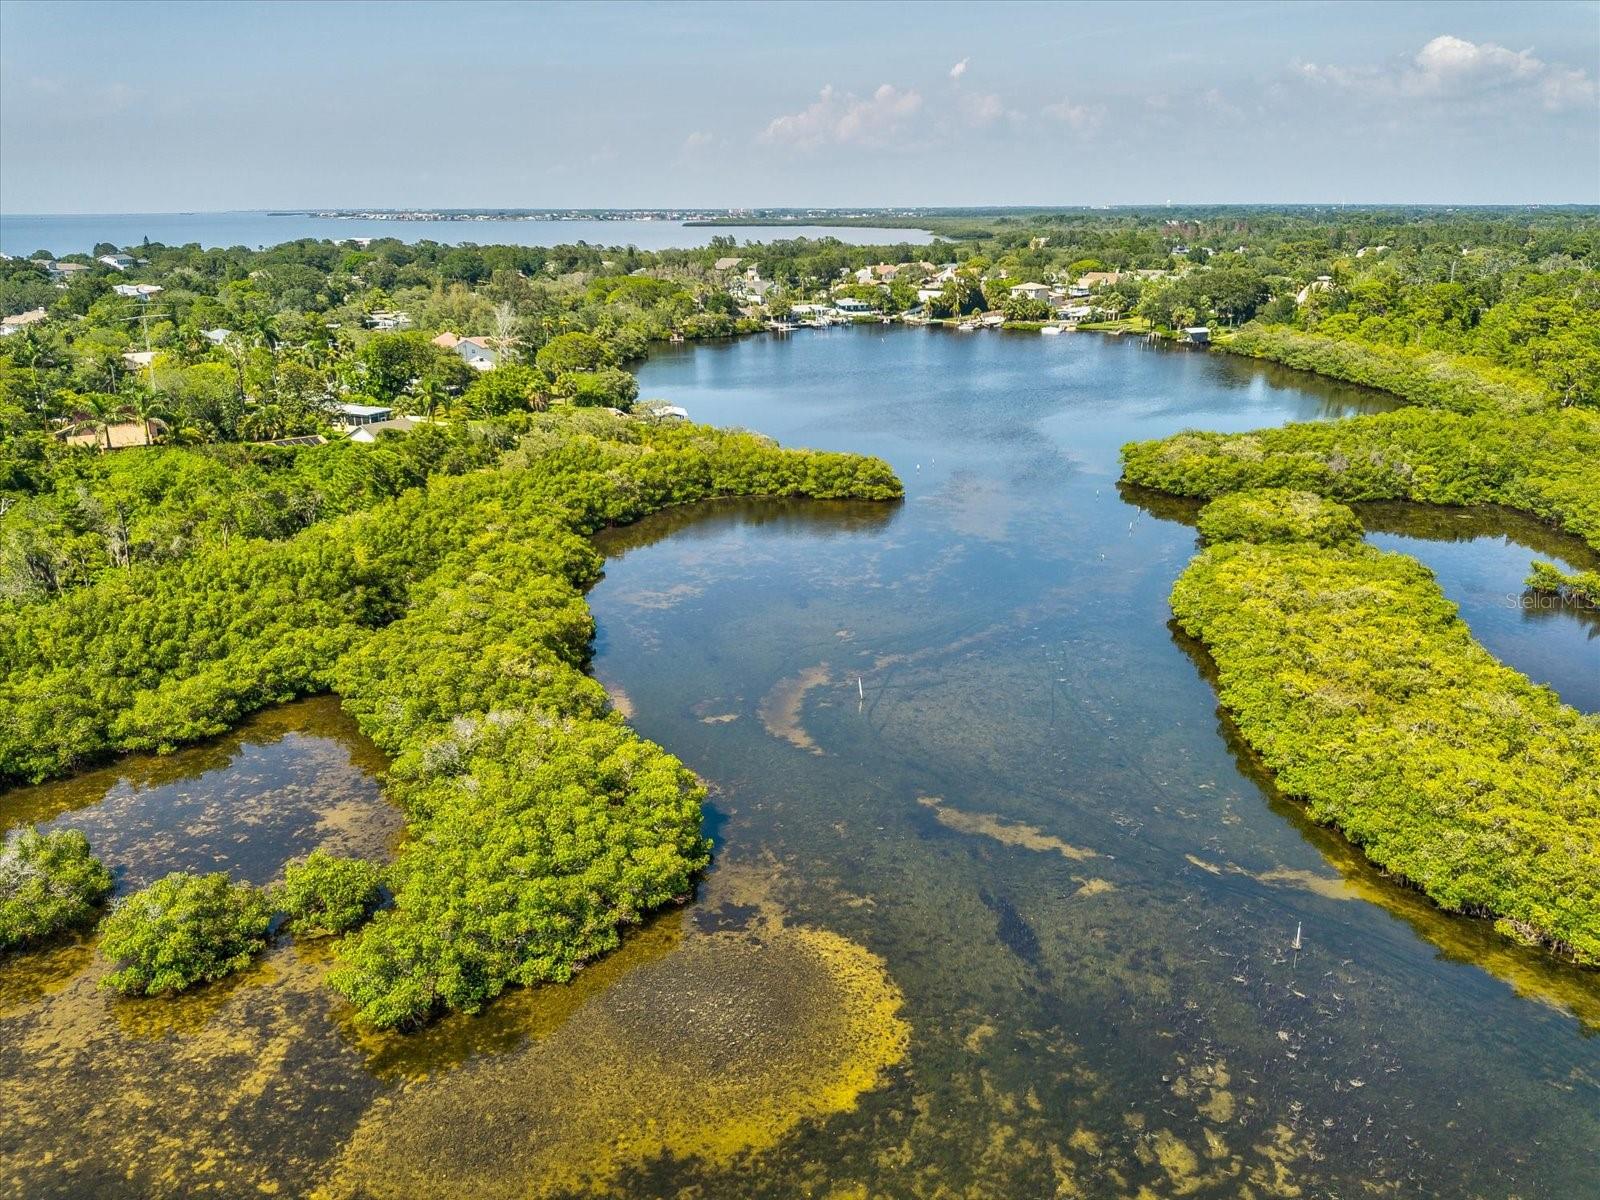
431, 396
145, 406
33, 349
99, 411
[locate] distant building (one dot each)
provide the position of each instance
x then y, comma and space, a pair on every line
1197, 335
10, 325
1322, 283
849, 304
726, 264
476, 352
389, 320
351, 416
880, 273
139, 359
1031, 291
369, 432
61, 272
216, 336
136, 291
121, 262
118, 437
1094, 279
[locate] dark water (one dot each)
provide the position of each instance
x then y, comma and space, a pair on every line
957, 732
24, 234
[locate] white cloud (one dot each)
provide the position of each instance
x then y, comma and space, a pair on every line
982, 109
698, 140
1454, 71
1083, 118
960, 69
844, 118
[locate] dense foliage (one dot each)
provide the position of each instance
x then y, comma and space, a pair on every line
1543, 463
1582, 587
1429, 378
1354, 679
72, 515
48, 882
326, 895
182, 930
1271, 515
451, 620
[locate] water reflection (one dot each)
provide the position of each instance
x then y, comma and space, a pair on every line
287, 781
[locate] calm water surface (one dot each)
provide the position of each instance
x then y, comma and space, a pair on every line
79, 233
958, 731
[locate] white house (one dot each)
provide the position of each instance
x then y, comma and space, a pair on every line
21, 320
216, 336
139, 359
389, 320
136, 291
849, 304
476, 352
1032, 291
349, 416
120, 261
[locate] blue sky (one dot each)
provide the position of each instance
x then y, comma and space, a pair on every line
158, 107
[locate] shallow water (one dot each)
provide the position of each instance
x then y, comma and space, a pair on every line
953, 742
1092, 922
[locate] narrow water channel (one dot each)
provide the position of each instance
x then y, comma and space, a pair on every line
957, 732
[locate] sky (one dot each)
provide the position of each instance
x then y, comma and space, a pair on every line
140, 107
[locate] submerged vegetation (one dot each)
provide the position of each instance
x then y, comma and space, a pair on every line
48, 882
1355, 680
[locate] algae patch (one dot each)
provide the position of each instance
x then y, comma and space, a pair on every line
1010, 833
780, 708
712, 1051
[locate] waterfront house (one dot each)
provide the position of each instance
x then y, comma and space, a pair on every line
10, 325
1032, 291
850, 305
121, 262
1197, 335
